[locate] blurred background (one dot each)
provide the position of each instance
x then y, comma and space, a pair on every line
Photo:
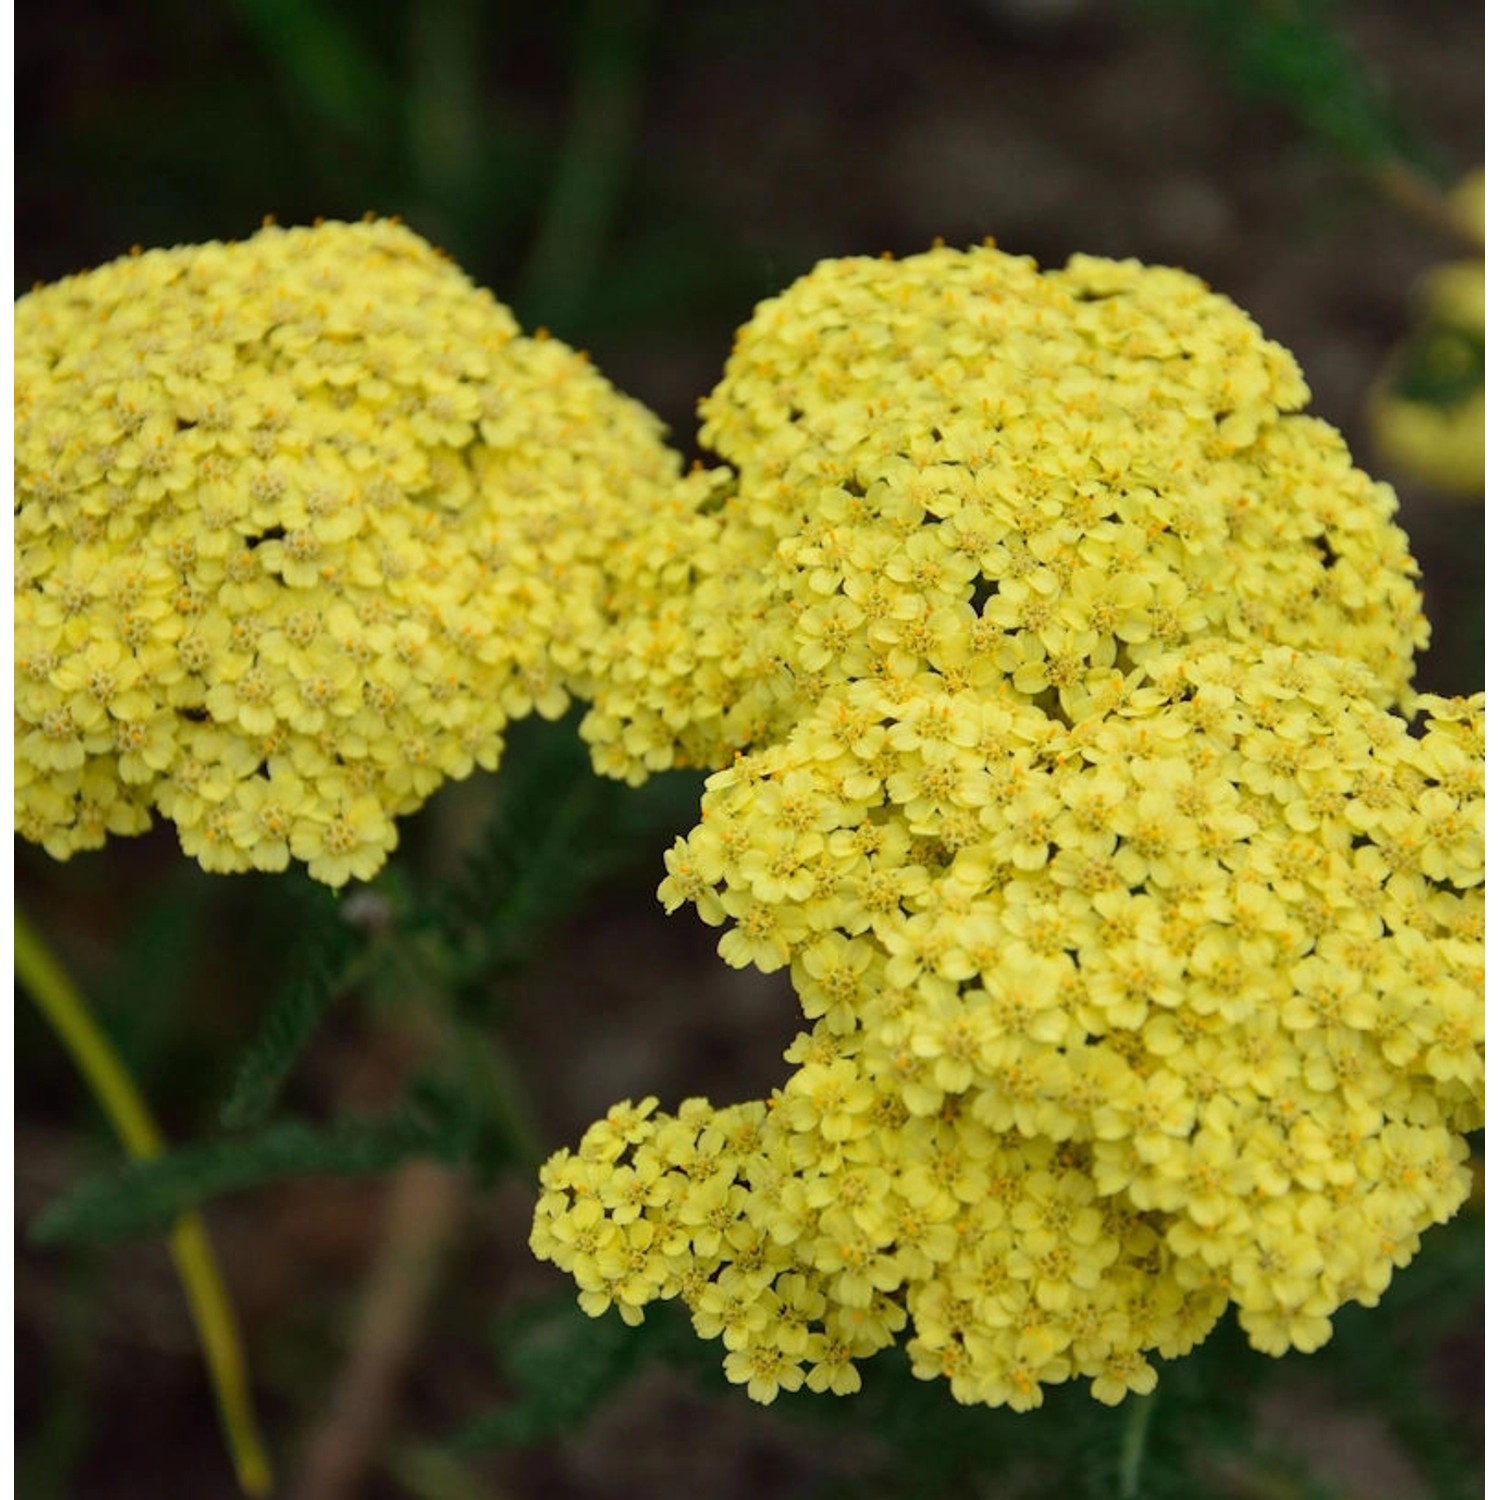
636, 175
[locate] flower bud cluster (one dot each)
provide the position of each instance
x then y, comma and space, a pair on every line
301, 523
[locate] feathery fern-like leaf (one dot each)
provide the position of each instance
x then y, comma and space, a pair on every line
147, 1196
325, 944
565, 1365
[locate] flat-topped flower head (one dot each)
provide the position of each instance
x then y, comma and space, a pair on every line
301, 524
1116, 1026
956, 463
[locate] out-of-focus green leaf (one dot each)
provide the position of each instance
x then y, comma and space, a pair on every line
325, 944
147, 1196
1293, 53
324, 58
565, 1364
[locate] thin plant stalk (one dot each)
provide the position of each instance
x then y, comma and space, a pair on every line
594, 161
110, 1083
1133, 1448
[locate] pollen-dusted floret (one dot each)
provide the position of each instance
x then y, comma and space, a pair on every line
301, 523
955, 463
1116, 1026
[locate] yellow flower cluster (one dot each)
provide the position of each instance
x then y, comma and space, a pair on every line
301, 523
1045, 658
1113, 1025
1427, 410
958, 464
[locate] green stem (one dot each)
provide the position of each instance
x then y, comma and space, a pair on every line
494, 1077
111, 1085
591, 171
1421, 200
445, 102
1133, 1447
324, 59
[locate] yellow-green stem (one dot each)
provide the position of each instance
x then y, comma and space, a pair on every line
60, 1002
1133, 1448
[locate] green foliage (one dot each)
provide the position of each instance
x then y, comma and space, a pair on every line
591, 171
323, 58
539, 852
478, 1105
326, 942
70, 1420
1385, 1359
565, 1365
1195, 1436
145, 995
147, 1196
556, 831
1293, 53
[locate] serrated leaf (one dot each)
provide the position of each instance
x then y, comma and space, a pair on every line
146, 1197
564, 1365
325, 945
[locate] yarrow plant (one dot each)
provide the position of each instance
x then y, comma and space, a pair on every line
1053, 675
1142, 944
302, 523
